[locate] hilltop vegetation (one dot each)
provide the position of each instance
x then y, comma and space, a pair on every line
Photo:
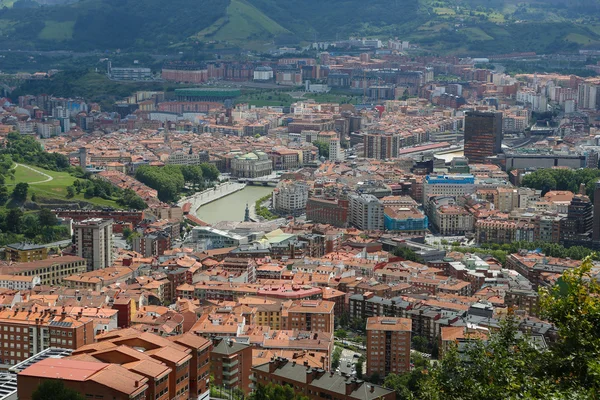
456, 26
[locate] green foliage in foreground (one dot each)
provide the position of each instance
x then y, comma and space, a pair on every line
507, 366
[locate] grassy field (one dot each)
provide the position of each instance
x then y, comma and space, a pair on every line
54, 189
243, 23
334, 98
59, 31
269, 98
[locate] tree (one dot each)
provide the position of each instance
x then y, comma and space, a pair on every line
406, 253
33, 197
3, 194
20, 191
341, 334
335, 358
47, 218
573, 306
323, 148
54, 389
209, 171
13, 220
70, 191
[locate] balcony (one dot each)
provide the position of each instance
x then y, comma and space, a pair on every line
231, 372
231, 381
230, 363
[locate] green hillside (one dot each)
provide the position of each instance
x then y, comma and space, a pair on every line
445, 26
242, 23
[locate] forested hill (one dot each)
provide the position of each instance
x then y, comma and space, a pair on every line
455, 26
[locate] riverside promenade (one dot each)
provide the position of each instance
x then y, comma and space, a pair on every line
199, 199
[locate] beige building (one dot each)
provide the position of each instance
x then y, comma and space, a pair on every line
251, 165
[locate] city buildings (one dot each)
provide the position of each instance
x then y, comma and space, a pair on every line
327, 211
316, 383
289, 198
25, 252
51, 271
388, 345
251, 165
483, 135
230, 364
93, 241
366, 212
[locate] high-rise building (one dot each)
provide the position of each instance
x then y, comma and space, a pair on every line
596, 223
388, 345
483, 135
366, 212
381, 147
579, 222
93, 241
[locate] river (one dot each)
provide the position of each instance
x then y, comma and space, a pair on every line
232, 207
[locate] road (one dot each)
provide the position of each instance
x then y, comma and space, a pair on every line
48, 177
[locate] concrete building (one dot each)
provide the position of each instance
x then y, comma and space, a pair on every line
366, 212
483, 135
336, 153
586, 96
290, 197
263, 73
93, 241
388, 345
251, 165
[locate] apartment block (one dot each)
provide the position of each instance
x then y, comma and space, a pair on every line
388, 345
309, 315
316, 383
231, 364
93, 241
25, 252
25, 333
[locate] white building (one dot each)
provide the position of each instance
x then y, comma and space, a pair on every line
216, 238
448, 185
263, 73
586, 96
366, 212
289, 198
17, 282
336, 153
183, 158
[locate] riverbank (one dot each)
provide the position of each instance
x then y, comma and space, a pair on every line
232, 208
209, 195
